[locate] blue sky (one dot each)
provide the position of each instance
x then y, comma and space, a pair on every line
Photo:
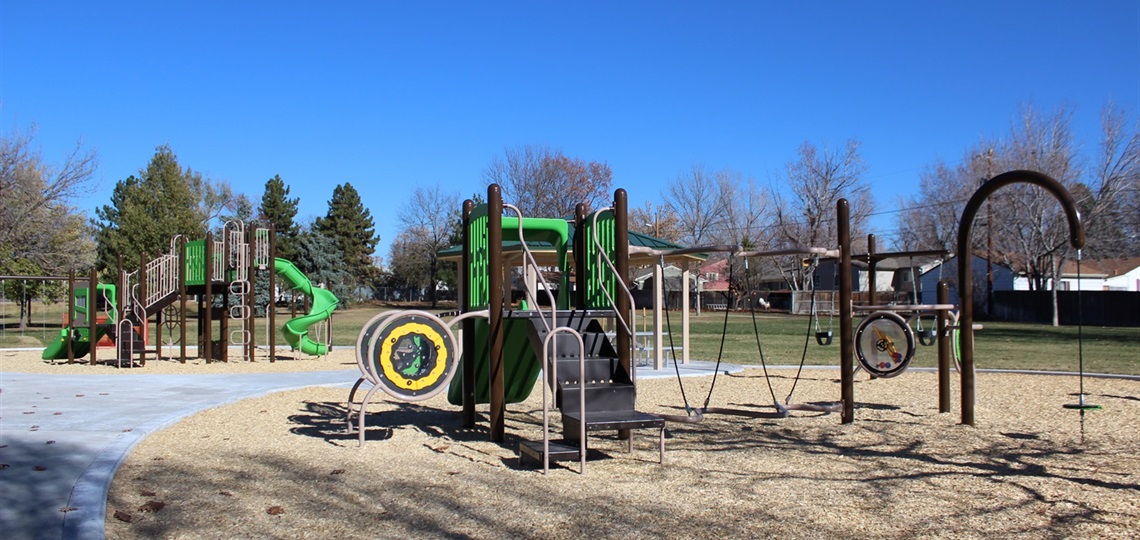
388, 96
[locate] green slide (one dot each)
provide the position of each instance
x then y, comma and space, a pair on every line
324, 302
520, 364
80, 346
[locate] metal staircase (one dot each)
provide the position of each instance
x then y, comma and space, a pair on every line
595, 385
591, 388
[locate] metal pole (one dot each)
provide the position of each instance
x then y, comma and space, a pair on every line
965, 276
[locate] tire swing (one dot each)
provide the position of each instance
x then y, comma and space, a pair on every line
410, 355
884, 344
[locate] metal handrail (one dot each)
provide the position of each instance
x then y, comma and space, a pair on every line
548, 383
530, 262
600, 255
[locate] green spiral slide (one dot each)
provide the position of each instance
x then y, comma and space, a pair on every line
324, 302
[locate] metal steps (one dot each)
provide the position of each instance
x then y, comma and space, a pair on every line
599, 382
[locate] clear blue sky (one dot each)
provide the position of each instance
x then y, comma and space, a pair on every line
389, 95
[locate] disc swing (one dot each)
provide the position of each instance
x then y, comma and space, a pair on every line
884, 344
1081, 404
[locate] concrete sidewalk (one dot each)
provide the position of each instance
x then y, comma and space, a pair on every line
63, 437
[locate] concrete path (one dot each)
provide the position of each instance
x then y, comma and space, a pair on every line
63, 437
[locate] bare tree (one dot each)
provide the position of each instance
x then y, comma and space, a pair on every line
428, 223
544, 182
817, 179
1112, 216
37, 221
659, 221
694, 199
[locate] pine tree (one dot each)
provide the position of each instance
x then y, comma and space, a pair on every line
351, 225
277, 208
147, 212
319, 257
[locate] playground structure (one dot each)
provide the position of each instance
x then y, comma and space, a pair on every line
219, 274
414, 355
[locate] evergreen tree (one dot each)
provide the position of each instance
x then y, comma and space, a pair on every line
277, 208
351, 225
319, 257
147, 212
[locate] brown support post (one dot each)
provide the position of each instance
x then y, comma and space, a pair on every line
621, 245
251, 344
157, 330
469, 416
142, 303
182, 297
944, 348
872, 264
495, 284
70, 315
272, 309
846, 339
206, 304
580, 249
93, 327
120, 297
223, 322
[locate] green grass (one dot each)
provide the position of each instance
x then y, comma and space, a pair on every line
998, 345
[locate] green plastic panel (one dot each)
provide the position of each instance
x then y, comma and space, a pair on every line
520, 364
595, 297
478, 294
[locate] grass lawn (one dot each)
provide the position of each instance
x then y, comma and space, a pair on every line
998, 345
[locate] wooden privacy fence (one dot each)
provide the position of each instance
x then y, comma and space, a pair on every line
1099, 308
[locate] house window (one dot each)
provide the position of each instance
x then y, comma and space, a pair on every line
713, 276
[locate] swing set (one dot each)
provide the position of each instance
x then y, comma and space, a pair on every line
884, 342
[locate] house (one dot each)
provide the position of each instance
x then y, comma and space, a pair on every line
1102, 275
1003, 279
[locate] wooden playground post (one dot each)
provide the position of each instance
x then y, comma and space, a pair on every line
944, 348
271, 310
468, 324
93, 327
580, 240
206, 304
70, 315
145, 317
621, 245
251, 278
182, 297
495, 306
846, 340
872, 266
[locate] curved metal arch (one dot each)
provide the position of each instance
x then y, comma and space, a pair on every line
965, 277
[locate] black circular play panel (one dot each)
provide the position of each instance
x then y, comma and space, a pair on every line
884, 344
